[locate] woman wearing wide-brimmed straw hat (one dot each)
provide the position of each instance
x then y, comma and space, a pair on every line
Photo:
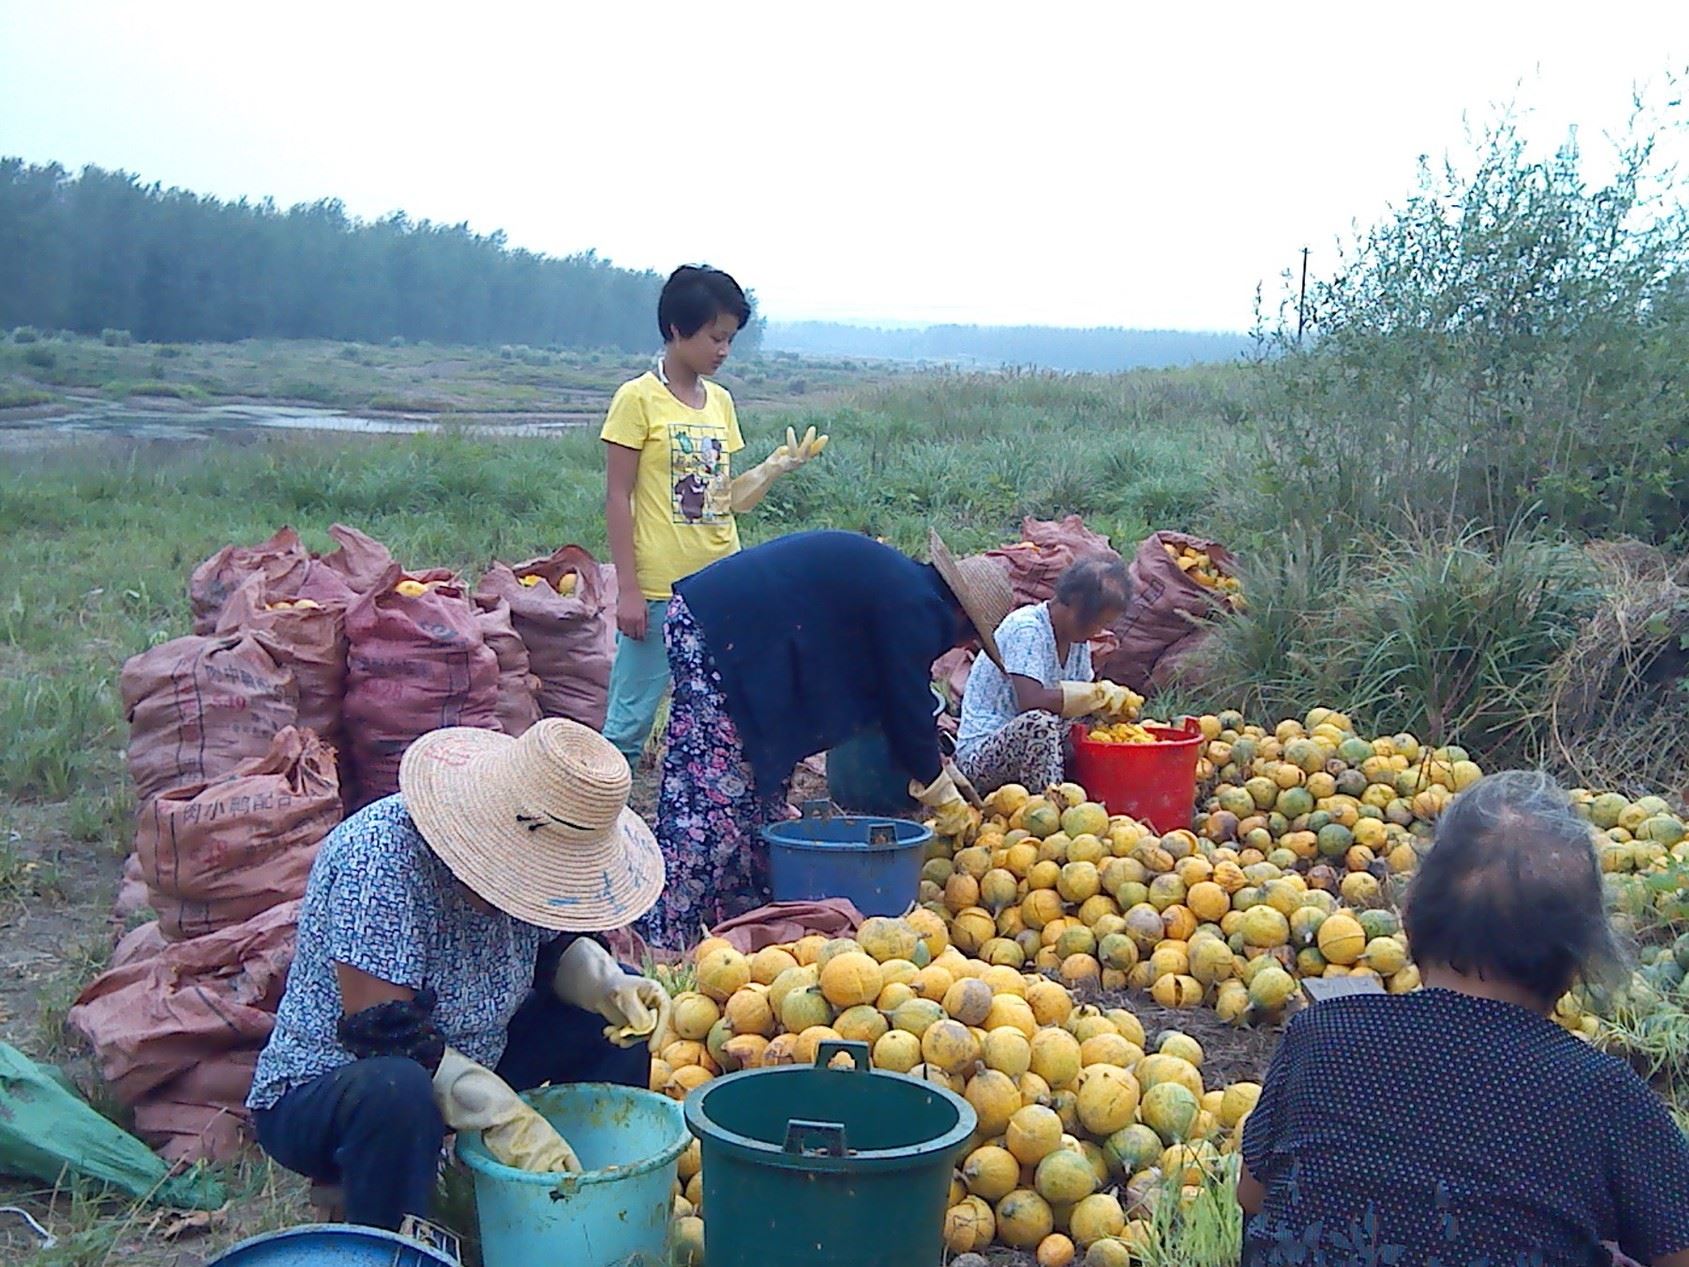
783, 651
445, 961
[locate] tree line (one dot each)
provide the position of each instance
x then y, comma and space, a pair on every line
101, 250
1097, 350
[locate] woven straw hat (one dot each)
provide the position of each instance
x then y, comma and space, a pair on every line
981, 586
538, 826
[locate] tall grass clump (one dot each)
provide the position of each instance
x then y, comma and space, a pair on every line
1454, 637
1505, 347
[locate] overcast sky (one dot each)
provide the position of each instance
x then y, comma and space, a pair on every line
1072, 164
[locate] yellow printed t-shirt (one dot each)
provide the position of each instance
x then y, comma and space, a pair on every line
682, 520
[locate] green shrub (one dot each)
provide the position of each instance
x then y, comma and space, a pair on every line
1504, 348
42, 358
116, 338
1452, 637
26, 334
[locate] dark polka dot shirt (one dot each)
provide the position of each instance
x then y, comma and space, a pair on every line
1441, 1129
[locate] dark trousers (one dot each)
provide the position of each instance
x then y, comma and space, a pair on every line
371, 1126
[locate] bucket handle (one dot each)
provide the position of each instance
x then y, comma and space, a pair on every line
857, 1051
830, 1137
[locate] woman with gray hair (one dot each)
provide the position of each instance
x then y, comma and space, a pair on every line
1459, 1124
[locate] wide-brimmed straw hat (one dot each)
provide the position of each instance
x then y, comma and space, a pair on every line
981, 586
538, 826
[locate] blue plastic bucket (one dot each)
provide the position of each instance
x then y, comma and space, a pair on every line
615, 1213
863, 776
332, 1245
875, 862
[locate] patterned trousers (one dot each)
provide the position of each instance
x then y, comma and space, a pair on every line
710, 811
1028, 751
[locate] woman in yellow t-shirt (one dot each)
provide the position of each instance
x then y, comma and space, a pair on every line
670, 493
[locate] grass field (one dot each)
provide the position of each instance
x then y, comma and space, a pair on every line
447, 382
100, 537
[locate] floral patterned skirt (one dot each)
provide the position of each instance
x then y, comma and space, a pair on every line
1030, 751
710, 811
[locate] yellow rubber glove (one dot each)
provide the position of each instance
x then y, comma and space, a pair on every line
472, 1097
634, 1008
952, 815
1120, 702
751, 487
1082, 699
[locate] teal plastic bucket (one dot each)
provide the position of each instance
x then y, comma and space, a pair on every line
826, 1167
615, 1213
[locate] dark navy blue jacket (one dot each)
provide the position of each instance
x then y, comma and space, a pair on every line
820, 635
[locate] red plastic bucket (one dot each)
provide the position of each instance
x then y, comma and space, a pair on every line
1152, 781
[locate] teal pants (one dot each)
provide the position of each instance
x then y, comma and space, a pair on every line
637, 682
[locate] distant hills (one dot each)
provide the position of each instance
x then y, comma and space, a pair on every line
1099, 350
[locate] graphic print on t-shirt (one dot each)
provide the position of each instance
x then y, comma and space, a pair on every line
699, 467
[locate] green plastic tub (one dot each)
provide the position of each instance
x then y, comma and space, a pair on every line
846, 1167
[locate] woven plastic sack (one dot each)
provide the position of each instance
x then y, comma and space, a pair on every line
1047, 549
201, 705
1167, 606
570, 636
201, 1115
518, 708
413, 664
155, 1018
309, 640
282, 560
216, 854
360, 560
131, 891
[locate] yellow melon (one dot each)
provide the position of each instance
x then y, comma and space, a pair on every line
968, 1001
749, 1012
995, 1100
1024, 1219
991, 1172
1341, 939
1055, 1057
949, 1045
969, 1226
1034, 1131
897, 1051
1064, 1177
769, 962
1108, 1100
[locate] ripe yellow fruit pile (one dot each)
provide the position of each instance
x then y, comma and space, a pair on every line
1053, 883
1206, 572
1081, 1130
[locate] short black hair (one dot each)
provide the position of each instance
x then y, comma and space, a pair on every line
1094, 585
694, 295
1511, 889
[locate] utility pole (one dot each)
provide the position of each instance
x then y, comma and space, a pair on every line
1302, 298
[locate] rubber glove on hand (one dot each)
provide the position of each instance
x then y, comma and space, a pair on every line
952, 814
472, 1097
751, 487
1120, 702
1082, 699
637, 1011
588, 977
